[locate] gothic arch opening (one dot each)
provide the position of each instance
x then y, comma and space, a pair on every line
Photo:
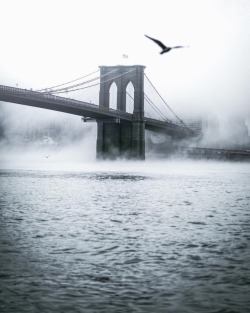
113, 96
130, 98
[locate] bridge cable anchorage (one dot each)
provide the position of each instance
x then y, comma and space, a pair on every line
58, 92
67, 89
69, 81
167, 104
150, 102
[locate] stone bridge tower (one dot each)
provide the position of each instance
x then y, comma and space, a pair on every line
115, 137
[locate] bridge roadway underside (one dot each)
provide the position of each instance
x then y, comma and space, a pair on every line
119, 133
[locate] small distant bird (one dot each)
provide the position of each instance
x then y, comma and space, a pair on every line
164, 48
47, 156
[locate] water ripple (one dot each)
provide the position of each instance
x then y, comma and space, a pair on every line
174, 241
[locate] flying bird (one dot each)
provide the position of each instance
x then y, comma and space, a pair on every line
164, 48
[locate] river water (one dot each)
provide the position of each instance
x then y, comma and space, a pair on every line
154, 236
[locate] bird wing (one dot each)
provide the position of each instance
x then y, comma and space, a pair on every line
158, 42
179, 47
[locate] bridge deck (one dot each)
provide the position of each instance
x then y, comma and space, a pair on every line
85, 109
56, 103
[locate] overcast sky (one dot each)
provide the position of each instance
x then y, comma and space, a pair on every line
47, 42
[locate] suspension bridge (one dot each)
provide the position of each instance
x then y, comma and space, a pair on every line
121, 99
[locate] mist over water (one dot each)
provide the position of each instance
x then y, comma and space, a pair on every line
32, 137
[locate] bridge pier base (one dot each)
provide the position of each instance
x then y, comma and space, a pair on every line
120, 140
138, 140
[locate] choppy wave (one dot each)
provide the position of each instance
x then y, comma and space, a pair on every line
168, 240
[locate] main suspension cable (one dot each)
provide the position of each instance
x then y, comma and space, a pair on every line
153, 106
55, 92
166, 103
67, 89
150, 102
72, 81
